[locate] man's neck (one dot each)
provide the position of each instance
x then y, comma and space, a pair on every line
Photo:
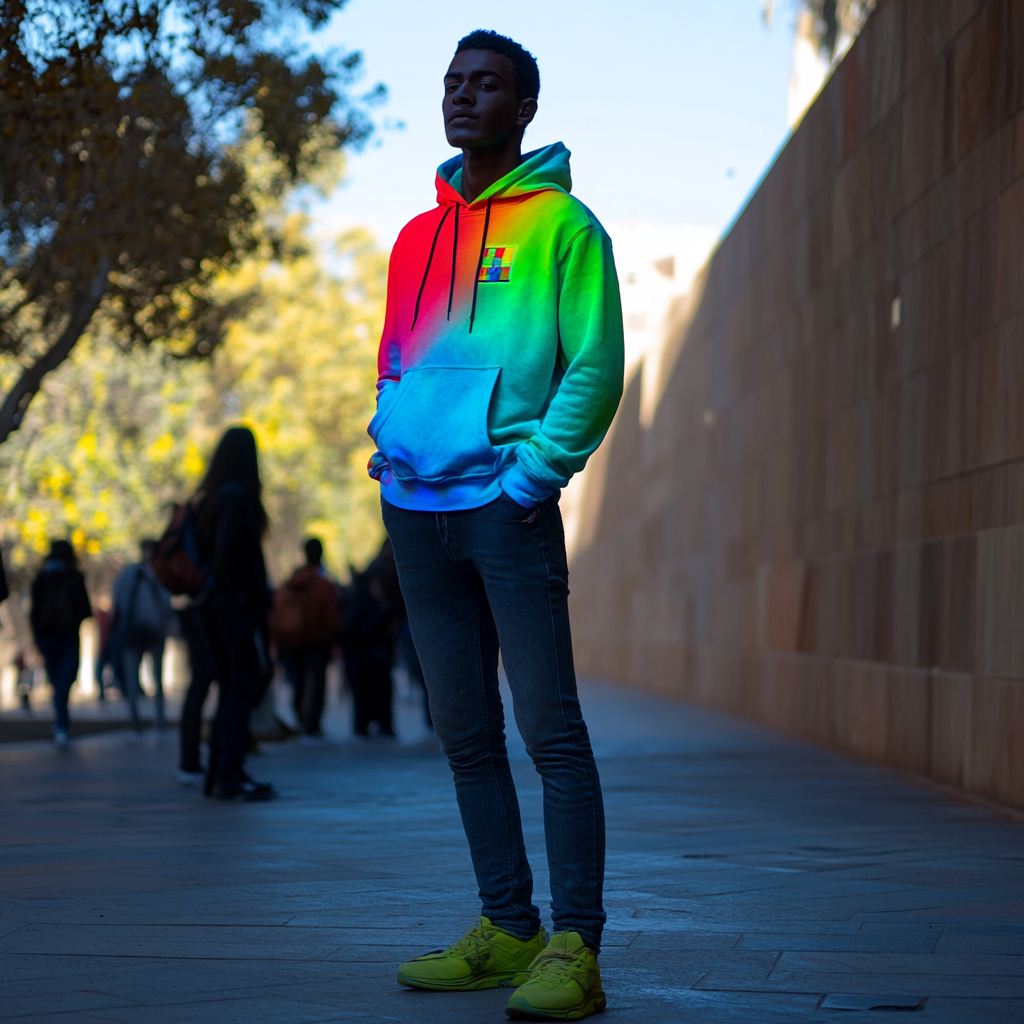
481, 168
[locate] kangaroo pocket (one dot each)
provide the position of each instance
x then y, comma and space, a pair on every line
437, 427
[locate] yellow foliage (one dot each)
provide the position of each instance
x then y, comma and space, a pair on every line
192, 463
302, 368
161, 448
114, 438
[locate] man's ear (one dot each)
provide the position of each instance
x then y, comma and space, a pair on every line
527, 112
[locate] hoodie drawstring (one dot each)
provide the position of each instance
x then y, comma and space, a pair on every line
455, 250
430, 259
479, 265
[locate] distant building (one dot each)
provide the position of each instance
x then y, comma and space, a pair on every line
656, 264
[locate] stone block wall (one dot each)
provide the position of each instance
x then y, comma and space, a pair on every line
810, 508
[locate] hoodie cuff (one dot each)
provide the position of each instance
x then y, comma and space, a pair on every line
523, 489
378, 466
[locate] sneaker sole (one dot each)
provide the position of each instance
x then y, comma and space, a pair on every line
595, 1003
470, 985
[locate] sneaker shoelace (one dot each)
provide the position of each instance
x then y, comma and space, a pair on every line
554, 966
474, 947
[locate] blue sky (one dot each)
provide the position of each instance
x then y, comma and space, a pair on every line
672, 110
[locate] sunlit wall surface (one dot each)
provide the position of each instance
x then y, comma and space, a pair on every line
810, 508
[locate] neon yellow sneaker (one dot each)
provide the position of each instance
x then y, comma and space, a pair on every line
485, 957
564, 984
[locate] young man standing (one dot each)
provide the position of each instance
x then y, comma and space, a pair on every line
500, 369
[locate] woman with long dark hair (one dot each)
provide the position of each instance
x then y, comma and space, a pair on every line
230, 523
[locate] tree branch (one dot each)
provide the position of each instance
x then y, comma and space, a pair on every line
12, 412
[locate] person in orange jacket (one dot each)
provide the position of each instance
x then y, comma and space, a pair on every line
305, 625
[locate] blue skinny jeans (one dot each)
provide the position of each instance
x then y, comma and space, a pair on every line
474, 581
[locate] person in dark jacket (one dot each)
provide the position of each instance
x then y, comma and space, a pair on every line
305, 624
370, 623
230, 524
60, 604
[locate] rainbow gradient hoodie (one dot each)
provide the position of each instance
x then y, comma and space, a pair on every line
501, 361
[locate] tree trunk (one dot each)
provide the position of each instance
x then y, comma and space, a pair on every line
15, 405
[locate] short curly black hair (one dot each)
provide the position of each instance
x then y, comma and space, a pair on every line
525, 73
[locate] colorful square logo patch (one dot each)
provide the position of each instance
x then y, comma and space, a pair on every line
497, 263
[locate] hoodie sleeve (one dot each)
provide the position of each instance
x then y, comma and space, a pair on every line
579, 414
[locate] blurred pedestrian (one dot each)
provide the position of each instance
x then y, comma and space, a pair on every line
202, 674
25, 673
370, 622
60, 604
108, 656
141, 614
230, 523
305, 624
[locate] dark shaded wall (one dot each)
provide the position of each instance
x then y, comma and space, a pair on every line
811, 511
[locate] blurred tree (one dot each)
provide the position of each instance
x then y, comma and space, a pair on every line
110, 440
834, 23
122, 186
114, 437
300, 369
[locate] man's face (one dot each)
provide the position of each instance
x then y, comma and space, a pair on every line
480, 106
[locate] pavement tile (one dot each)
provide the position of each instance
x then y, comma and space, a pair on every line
134, 977
690, 939
158, 912
887, 1003
643, 992
185, 941
261, 1009
735, 927
733, 980
959, 1011
749, 876
18, 1001
71, 1016
973, 965
1001, 943
859, 942
959, 916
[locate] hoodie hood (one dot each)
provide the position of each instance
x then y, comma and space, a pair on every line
543, 170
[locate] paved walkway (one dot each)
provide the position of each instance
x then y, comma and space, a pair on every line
750, 878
